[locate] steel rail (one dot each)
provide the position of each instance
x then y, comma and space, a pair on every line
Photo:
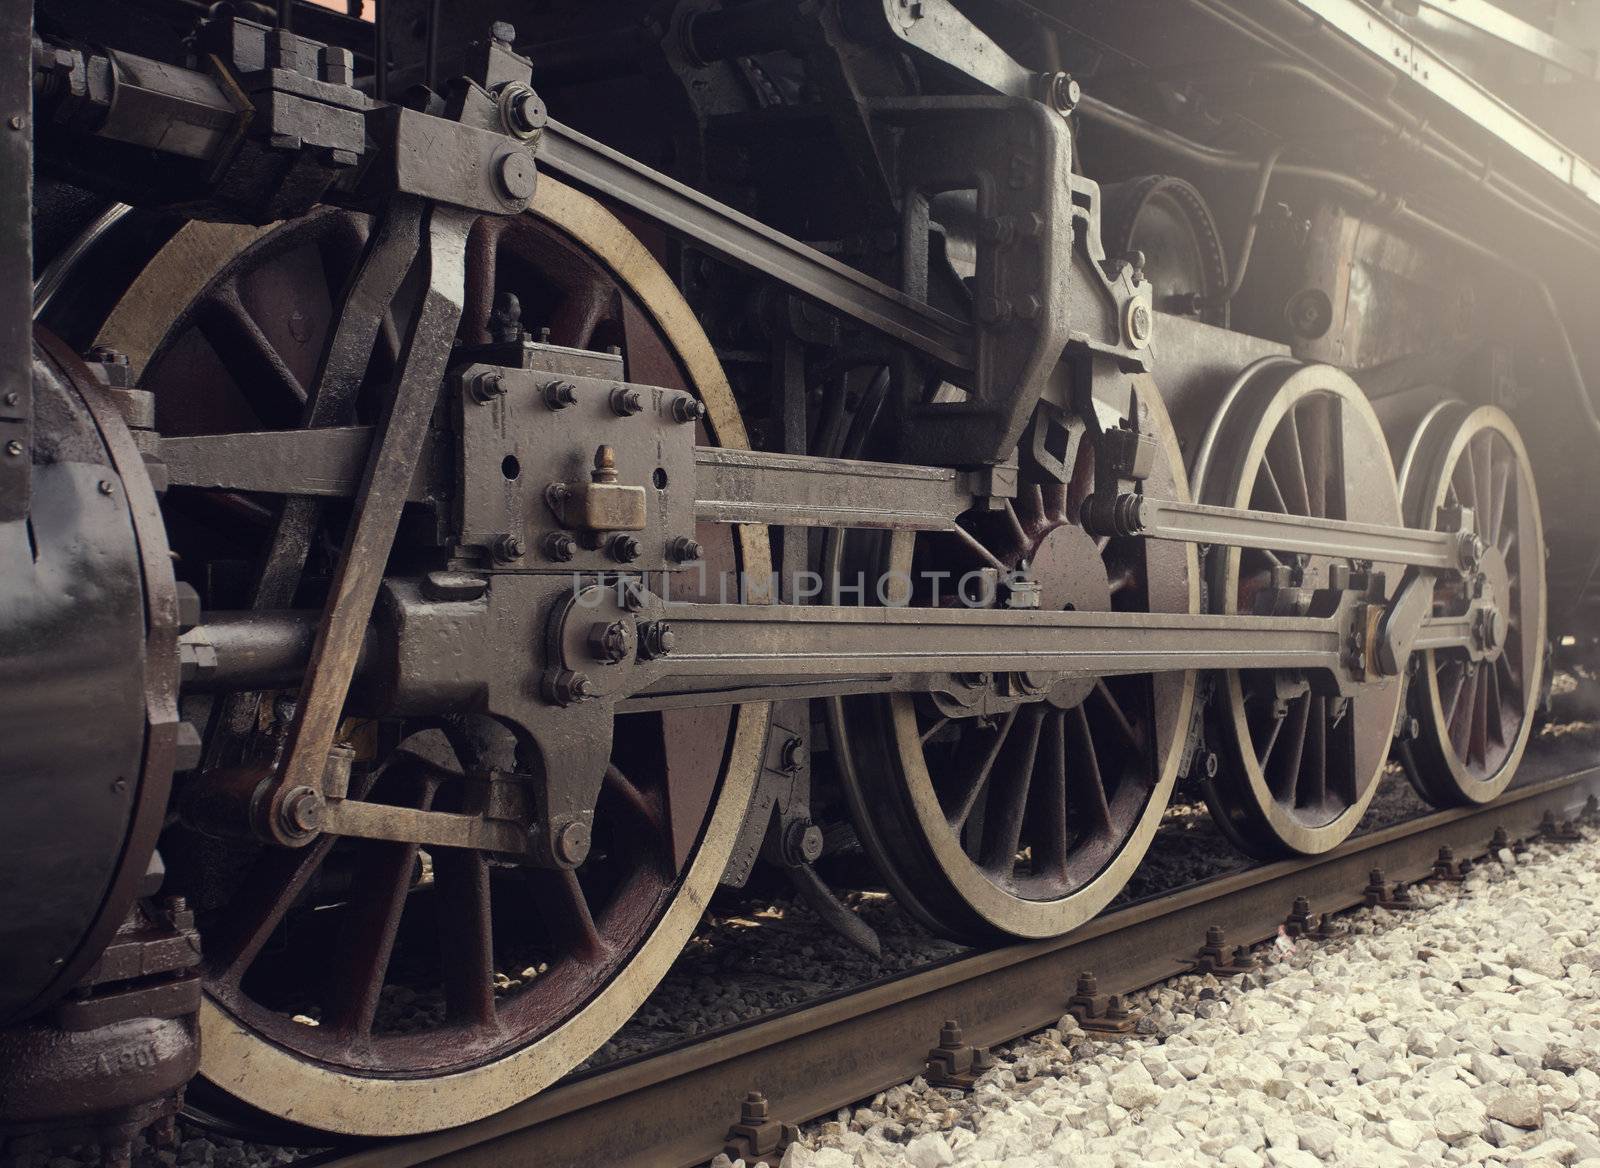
673, 1108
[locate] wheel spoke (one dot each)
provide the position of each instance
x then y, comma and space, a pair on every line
1050, 846
1283, 786
565, 908
265, 380
1479, 744
466, 935
1311, 789
1494, 522
1495, 703
1270, 478
975, 760
379, 889
1314, 441
1283, 449
1008, 794
1119, 718
1086, 787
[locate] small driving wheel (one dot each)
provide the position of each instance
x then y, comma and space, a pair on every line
1028, 822
1298, 767
1475, 716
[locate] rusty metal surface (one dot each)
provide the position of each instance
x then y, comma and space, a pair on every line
674, 1108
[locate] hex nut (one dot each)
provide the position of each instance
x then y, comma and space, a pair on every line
610, 642
508, 548
656, 639
558, 395
687, 409
559, 546
624, 549
683, 550
486, 385
626, 401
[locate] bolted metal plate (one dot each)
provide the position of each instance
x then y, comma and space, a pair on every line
539, 428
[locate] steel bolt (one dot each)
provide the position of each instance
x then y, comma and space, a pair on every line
684, 550
14, 448
625, 401
656, 639
1061, 92
559, 546
1088, 984
486, 385
558, 395
572, 842
753, 1109
300, 813
1215, 937
16, 122
1210, 764
687, 409
567, 687
507, 548
12, 398
624, 548
104, 487
610, 642
802, 842
517, 174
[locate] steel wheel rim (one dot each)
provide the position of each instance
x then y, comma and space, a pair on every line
259, 1067
1268, 799
901, 806
1476, 458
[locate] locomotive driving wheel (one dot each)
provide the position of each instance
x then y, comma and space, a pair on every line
1476, 716
1024, 823
1298, 767
378, 988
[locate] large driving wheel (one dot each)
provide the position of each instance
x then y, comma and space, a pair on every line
1476, 716
1026, 823
381, 988
1298, 767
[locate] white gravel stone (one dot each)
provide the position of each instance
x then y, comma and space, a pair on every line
1468, 1034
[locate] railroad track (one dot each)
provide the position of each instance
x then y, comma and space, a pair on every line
674, 1107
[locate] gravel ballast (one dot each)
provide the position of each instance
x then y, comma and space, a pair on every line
1468, 1033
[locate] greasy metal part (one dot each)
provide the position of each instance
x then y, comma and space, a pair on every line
743, 241
938, 29
391, 465
1297, 534
90, 615
114, 1058
16, 261
671, 1110
752, 486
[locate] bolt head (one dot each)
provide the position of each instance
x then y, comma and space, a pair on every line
625, 548
14, 448
626, 401
486, 385
105, 487
687, 409
509, 547
558, 395
560, 547
684, 550
611, 641
572, 843
517, 174
302, 811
